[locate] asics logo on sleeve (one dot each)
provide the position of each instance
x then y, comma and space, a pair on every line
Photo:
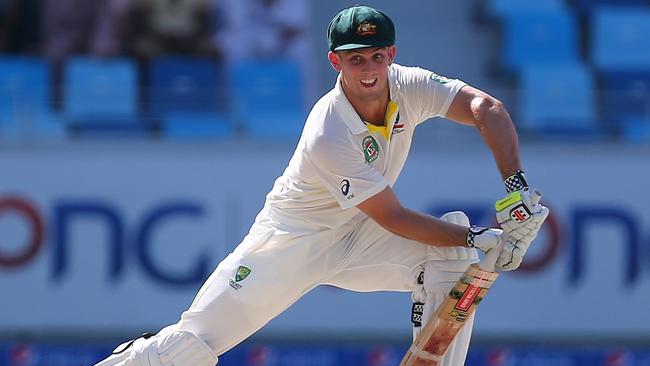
345, 187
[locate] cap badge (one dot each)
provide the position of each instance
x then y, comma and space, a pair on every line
366, 29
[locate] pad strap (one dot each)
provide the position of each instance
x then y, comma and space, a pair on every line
416, 314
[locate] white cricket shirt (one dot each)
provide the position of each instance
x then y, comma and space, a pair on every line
340, 161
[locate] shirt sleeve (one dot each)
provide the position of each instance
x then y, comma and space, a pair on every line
431, 92
341, 166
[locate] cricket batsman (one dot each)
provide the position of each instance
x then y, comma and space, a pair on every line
333, 218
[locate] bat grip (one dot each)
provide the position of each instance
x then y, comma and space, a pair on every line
489, 261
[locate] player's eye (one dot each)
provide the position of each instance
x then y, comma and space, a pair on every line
356, 59
378, 57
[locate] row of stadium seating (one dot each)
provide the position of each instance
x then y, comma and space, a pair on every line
183, 97
581, 67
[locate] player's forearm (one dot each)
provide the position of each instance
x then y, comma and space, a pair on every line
426, 229
498, 131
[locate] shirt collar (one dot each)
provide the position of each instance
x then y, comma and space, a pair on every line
346, 110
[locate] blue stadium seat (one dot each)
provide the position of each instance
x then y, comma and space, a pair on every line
545, 37
588, 6
636, 130
24, 79
502, 9
620, 38
267, 98
557, 98
97, 86
25, 98
28, 124
625, 96
186, 84
101, 97
189, 96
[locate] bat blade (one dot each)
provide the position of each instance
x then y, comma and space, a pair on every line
459, 305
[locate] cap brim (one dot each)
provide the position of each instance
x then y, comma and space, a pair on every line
355, 46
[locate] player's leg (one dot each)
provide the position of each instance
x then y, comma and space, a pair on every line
434, 283
265, 274
227, 310
379, 260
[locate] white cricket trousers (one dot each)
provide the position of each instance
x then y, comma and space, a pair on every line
285, 264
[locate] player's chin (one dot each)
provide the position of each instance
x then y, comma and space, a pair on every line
371, 94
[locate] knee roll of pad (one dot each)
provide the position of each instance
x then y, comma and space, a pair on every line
177, 348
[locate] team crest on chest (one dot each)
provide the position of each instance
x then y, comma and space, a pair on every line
370, 149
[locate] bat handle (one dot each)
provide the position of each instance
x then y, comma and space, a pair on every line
489, 261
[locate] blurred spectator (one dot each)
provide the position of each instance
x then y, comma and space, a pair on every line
72, 27
267, 29
173, 27
20, 26
5, 15
84, 27
112, 31
263, 28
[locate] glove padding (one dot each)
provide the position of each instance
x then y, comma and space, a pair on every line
520, 215
512, 251
512, 254
482, 238
486, 239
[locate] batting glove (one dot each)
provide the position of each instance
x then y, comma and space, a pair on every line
512, 254
511, 251
519, 214
484, 238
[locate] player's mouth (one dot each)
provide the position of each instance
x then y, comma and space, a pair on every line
369, 83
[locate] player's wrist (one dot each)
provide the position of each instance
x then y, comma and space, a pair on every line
472, 232
483, 238
515, 181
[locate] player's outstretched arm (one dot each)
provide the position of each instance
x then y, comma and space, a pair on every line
476, 108
387, 211
519, 214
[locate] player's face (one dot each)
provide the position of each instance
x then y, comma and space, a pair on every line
364, 72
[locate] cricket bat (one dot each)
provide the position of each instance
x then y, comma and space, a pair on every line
459, 304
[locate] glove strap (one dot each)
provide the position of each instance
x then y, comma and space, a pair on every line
472, 232
515, 182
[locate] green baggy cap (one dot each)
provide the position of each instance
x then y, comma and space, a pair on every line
360, 27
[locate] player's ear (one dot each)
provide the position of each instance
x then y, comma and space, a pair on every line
335, 60
392, 52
